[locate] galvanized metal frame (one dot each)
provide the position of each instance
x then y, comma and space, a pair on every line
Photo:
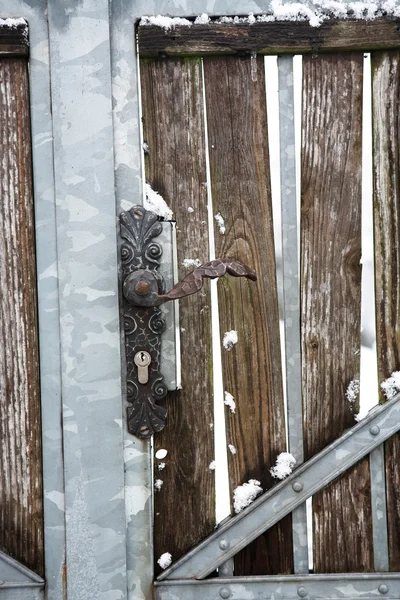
381, 423
289, 587
291, 295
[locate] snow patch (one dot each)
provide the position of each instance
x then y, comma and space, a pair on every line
188, 263
284, 465
230, 339
391, 386
165, 560
232, 449
353, 391
161, 453
165, 22
230, 401
157, 204
315, 13
158, 484
161, 466
244, 494
221, 223
190, 209
212, 465
202, 19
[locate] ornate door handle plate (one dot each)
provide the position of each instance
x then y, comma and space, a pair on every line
143, 293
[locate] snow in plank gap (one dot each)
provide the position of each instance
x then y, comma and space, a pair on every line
188, 263
230, 339
222, 496
284, 465
165, 560
229, 401
232, 449
368, 358
391, 386
156, 203
244, 494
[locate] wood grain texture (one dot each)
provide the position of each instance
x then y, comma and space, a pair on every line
331, 298
386, 168
240, 180
14, 40
270, 38
21, 518
173, 122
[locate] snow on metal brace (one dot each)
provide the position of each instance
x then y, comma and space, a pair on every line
236, 533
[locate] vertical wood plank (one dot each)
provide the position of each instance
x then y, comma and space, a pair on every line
331, 298
21, 518
240, 181
173, 122
386, 169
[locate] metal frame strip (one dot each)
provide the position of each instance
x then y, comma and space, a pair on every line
381, 423
379, 509
324, 587
291, 296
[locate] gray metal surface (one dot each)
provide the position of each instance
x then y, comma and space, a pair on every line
11, 592
323, 587
291, 296
379, 508
89, 308
47, 272
268, 509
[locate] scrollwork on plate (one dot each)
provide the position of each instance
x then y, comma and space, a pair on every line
143, 327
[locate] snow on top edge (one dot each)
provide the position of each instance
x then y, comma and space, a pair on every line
314, 12
11, 22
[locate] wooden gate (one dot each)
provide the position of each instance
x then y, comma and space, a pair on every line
205, 124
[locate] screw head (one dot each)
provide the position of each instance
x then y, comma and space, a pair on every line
374, 430
142, 288
224, 544
302, 591
297, 487
225, 592
383, 588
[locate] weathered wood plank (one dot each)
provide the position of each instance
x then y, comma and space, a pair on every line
14, 39
386, 167
21, 518
173, 122
269, 38
331, 298
240, 181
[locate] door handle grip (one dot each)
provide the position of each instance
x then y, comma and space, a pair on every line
193, 282
141, 288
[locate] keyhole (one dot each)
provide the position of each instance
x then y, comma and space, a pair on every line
142, 356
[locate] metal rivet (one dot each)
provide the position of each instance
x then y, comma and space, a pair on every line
225, 592
383, 588
297, 486
302, 591
374, 430
224, 544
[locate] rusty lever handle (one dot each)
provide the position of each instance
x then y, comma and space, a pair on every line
141, 288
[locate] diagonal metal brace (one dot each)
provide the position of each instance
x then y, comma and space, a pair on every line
236, 533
